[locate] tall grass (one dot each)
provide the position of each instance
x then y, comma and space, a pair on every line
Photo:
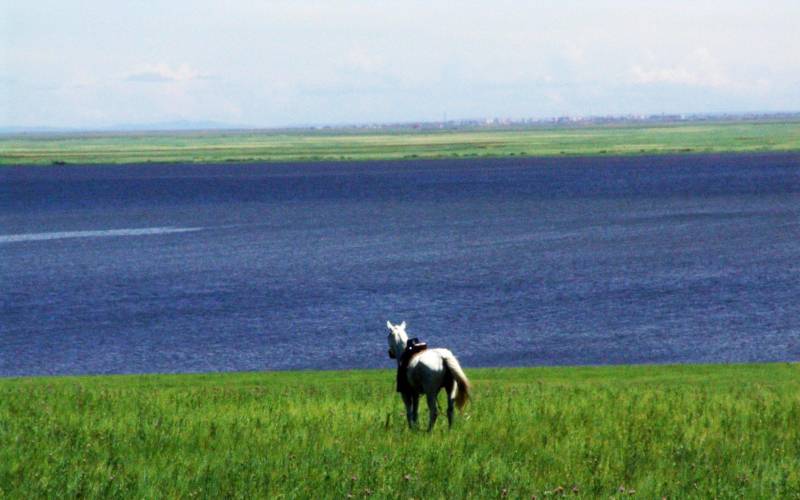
674, 431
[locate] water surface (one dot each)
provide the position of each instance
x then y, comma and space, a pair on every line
186, 268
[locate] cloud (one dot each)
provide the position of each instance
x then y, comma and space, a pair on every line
162, 73
678, 75
574, 54
362, 60
698, 69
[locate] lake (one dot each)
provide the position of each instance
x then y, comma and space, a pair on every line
507, 262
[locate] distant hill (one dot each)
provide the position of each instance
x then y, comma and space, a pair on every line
178, 125
173, 125
34, 130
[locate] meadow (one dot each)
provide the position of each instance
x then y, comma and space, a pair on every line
359, 144
691, 431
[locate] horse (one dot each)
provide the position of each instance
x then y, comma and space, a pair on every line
428, 372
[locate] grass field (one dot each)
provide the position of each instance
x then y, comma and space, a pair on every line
220, 146
673, 431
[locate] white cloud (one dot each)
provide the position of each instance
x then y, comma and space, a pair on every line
359, 59
162, 72
698, 69
574, 53
678, 75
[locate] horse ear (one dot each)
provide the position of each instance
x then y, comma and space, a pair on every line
389, 324
403, 325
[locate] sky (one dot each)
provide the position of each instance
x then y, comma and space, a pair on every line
97, 64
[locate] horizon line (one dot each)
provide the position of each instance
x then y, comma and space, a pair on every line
478, 122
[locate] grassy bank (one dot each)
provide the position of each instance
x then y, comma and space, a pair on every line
682, 431
220, 147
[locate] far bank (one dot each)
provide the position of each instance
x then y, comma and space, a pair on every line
250, 146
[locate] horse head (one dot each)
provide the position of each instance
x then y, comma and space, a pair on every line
397, 339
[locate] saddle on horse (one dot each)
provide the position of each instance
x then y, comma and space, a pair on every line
413, 347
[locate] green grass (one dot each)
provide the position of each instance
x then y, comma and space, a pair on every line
676, 431
220, 147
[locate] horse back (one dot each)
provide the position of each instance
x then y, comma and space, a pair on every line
427, 370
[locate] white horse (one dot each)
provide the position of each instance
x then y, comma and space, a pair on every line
428, 372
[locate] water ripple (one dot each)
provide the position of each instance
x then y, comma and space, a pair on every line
58, 235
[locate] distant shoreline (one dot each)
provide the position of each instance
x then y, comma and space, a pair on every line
582, 371
498, 161
247, 147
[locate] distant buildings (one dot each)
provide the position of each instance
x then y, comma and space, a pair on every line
565, 121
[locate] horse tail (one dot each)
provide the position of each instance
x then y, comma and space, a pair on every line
463, 387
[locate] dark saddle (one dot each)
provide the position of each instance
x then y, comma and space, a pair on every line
413, 347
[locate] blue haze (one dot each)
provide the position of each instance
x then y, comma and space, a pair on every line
193, 268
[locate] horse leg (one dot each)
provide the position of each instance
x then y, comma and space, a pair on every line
408, 400
450, 391
433, 409
450, 403
415, 408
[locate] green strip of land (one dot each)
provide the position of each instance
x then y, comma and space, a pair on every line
358, 145
724, 431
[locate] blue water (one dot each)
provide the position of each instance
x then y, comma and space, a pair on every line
188, 268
